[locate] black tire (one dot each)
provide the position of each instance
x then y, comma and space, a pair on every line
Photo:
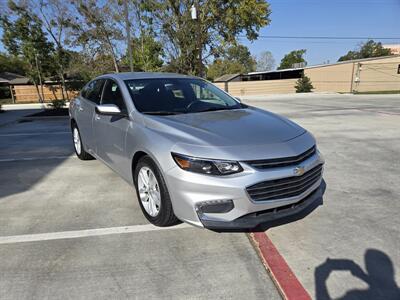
165, 216
83, 155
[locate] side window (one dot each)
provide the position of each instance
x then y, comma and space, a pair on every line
93, 91
112, 95
84, 90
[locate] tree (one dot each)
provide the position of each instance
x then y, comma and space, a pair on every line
95, 29
218, 22
147, 54
366, 50
237, 59
13, 64
56, 20
265, 61
23, 37
303, 85
293, 57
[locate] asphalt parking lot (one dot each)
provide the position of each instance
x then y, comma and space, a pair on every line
350, 247
50, 201
74, 230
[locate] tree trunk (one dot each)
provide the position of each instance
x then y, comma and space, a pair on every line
63, 86
37, 91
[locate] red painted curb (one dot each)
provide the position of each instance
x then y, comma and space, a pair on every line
284, 278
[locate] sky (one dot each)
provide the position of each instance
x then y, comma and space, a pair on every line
333, 18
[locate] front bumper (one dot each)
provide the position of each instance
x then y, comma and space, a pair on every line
188, 190
270, 217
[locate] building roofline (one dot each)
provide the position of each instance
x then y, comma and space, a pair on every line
353, 61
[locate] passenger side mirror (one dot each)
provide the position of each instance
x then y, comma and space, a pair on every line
238, 99
110, 110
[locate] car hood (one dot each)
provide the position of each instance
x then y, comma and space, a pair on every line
250, 126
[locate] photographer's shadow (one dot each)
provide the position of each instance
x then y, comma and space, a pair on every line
379, 277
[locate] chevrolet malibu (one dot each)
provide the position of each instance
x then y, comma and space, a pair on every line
194, 153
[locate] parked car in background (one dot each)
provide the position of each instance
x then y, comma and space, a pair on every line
194, 153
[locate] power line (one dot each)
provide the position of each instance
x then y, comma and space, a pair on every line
325, 37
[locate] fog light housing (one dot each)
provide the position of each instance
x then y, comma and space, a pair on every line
214, 207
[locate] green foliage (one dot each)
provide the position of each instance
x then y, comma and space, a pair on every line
219, 22
303, 85
23, 37
293, 57
12, 64
366, 50
57, 104
237, 59
95, 28
147, 54
5, 92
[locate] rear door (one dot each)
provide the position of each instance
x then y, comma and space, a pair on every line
110, 131
88, 100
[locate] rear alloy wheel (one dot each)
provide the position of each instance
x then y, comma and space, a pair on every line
78, 146
153, 194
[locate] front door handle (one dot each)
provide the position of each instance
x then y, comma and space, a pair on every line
97, 117
80, 108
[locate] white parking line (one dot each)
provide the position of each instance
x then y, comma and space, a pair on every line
35, 158
34, 133
84, 233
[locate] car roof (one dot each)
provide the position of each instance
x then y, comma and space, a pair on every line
145, 75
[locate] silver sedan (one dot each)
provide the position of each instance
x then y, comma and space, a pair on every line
194, 153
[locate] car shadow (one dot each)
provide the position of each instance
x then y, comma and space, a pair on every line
379, 276
29, 151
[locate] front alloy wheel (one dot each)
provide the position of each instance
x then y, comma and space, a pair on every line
149, 191
152, 193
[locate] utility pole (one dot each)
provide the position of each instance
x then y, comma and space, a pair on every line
195, 16
128, 34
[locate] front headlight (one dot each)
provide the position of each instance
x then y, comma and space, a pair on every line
207, 166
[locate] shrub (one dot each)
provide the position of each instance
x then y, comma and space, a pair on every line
57, 104
304, 85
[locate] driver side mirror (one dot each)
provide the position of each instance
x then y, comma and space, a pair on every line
110, 110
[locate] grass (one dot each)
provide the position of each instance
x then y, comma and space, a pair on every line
377, 92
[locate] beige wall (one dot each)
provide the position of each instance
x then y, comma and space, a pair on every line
221, 85
335, 78
28, 94
262, 87
374, 75
378, 75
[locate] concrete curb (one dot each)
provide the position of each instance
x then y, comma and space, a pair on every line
283, 277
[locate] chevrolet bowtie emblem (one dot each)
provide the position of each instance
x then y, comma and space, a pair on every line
298, 171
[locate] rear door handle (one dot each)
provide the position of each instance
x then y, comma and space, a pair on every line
97, 117
80, 108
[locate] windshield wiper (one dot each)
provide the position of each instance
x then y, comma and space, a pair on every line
217, 108
162, 113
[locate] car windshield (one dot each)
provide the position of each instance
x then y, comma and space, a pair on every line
166, 96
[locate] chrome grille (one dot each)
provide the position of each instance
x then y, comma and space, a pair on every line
281, 162
285, 187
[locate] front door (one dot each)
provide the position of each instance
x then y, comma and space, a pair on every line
86, 104
110, 131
